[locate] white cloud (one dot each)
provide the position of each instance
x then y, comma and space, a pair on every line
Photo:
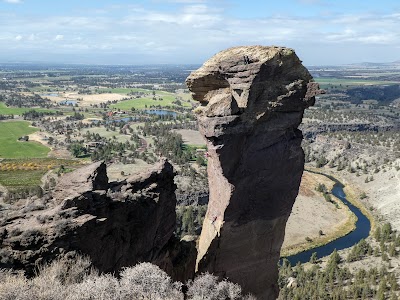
378, 39
343, 36
311, 2
192, 15
126, 37
196, 30
184, 1
13, 1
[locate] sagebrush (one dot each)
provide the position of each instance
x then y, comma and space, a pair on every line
66, 280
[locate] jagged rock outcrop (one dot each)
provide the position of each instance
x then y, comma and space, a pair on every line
116, 225
84, 180
252, 101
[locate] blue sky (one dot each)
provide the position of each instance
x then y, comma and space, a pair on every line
323, 32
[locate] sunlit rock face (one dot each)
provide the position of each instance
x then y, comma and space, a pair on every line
252, 102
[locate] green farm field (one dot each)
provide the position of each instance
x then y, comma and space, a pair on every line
146, 101
143, 103
21, 173
10, 147
125, 90
18, 179
5, 110
108, 134
344, 82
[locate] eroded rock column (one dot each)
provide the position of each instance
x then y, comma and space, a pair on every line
252, 101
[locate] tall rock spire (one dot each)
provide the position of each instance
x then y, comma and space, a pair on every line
252, 101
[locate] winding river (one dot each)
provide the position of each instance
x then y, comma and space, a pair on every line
363, 227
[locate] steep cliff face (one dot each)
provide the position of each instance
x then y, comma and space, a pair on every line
252, 101
116, 225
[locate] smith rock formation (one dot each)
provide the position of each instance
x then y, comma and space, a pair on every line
252, 101
116, 224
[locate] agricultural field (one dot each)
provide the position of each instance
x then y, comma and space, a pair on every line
140, 103
348, 82
95, 93
10, 147
124, 90
144, 103
109, 134
192, 138
4, 110
22, 173
18, 179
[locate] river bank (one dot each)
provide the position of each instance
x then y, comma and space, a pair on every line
361, 231
346, 227
353, 192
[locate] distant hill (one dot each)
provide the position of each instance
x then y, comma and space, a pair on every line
383, 94
375, 64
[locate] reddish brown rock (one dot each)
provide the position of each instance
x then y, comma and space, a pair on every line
252, 101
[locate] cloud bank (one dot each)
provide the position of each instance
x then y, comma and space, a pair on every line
194, 31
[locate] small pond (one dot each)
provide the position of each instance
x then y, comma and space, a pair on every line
50, 95
161, 112
68, 102
125, 119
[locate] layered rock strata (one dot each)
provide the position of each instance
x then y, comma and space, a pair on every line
252, 102
116, 224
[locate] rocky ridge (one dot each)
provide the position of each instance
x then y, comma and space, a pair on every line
252, 102
116, 224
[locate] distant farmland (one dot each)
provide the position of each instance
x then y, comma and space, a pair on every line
143, 103
10, 147
344, 82
4, 110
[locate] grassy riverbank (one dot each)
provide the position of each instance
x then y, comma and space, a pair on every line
353, 195
345, 228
